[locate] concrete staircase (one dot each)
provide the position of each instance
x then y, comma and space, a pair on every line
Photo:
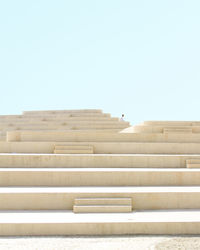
102, 178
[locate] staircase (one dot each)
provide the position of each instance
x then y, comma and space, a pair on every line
95, 180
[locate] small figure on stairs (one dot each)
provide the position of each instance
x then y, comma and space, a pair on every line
122, 118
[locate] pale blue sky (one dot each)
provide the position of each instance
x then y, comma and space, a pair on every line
138, 57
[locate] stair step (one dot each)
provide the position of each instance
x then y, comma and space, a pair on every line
61, 222
113, 177
103, 201
102, 208
62, 198
177, 130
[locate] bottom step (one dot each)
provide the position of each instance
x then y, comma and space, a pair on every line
67, 223
102, 208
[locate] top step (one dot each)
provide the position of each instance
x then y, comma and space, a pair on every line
171, 123
62, 111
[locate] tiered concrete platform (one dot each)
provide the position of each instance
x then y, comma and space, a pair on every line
80, 172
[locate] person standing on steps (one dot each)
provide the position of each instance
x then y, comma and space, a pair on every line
122, 118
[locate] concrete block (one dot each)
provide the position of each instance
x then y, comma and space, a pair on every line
102, 209
103, 201
193, 163
73, 151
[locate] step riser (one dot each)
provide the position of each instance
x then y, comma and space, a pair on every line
109, 228
65, 201
35, 119
46, 122
98, 136
61, 127
72, 111
93, 161
165, 129
102, 148
102, 209
171, 123
92, 178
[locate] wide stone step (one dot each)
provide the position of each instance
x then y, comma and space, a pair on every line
102, 147
61, 123
171, 123
99, 177
76, 114
95, 161
98, 136
93, 111
64, 126
177, 130
56, 118
37, 223
144, 198
164, 129
102, 209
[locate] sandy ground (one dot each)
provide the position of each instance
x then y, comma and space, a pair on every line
101, 243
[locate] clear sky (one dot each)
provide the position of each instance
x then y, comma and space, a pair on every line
137, 57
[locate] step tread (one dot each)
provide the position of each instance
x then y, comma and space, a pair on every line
99, 190
140, 170
60, 216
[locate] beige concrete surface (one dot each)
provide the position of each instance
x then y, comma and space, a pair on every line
95, 160
98, 136
102, 208
170, 123
103, 201
193, 163
43, 112
99, 177
101, 147
67, 223
56, 198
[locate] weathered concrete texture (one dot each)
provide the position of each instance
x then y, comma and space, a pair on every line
95, 160
99, 177
99, 136
101, 147
67, 223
